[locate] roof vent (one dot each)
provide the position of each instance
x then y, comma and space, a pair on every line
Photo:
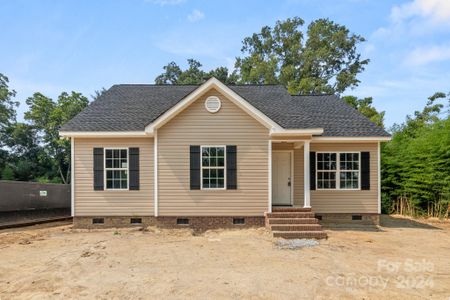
212, 104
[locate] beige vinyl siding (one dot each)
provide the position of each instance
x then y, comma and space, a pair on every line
229, 126
112, 202
348, 201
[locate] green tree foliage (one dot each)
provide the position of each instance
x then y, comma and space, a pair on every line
7, 173
98, 93
7, 107
27, 158
324, 59
33, 150
365, 107
47, 116
173, 74
416, 163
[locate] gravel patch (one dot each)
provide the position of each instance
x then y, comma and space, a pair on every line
295, 243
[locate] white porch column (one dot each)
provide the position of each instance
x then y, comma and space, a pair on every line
269, 209
307, 200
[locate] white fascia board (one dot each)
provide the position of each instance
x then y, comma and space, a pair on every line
351, 139
226, 91
294, 132
100, 134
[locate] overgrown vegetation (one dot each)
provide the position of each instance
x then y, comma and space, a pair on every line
416, 163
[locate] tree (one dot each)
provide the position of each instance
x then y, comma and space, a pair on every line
27, 158
7, 107
364, 106
173, 74
98, 93
326, 62
416, 163
7, 173
47, 116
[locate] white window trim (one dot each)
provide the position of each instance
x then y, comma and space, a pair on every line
224, 168
338, 171
104, 168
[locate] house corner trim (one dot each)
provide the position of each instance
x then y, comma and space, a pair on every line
155, 172
72, 176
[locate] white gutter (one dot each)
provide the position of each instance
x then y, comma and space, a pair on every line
352, 138
293, 132
99, 134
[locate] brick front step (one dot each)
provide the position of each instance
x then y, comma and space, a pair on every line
293, 221
290, 215
300, 234
290, 209
296, 227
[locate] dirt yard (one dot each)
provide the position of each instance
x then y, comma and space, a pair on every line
401, 259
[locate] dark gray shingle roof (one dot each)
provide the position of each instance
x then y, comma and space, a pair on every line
130, 107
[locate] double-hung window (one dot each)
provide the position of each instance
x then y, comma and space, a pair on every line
213, 167
338, 170
116, 169
349, 170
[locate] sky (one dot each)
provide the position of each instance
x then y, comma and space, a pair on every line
55, 46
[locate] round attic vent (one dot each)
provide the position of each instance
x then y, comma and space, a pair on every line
212, 104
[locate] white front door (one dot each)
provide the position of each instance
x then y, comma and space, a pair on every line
281, 178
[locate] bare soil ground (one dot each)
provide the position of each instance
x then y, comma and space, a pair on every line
403, 259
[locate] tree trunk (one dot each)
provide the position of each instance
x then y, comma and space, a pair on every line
61, 174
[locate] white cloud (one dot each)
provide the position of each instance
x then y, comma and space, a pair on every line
424, 55
166, 2
436, 11
195, 16
416, 18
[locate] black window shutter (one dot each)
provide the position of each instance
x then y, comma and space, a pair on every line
312, 170
231, 168
98, 169
365, 170
133, 156
195, 167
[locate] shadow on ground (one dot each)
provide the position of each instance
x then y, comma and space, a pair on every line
351, 227
386, 221
401, 222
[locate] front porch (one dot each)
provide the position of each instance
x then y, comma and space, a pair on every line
290, 173
290, 214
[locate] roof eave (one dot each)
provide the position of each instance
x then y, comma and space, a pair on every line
344, 139
103, 134
296, 132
